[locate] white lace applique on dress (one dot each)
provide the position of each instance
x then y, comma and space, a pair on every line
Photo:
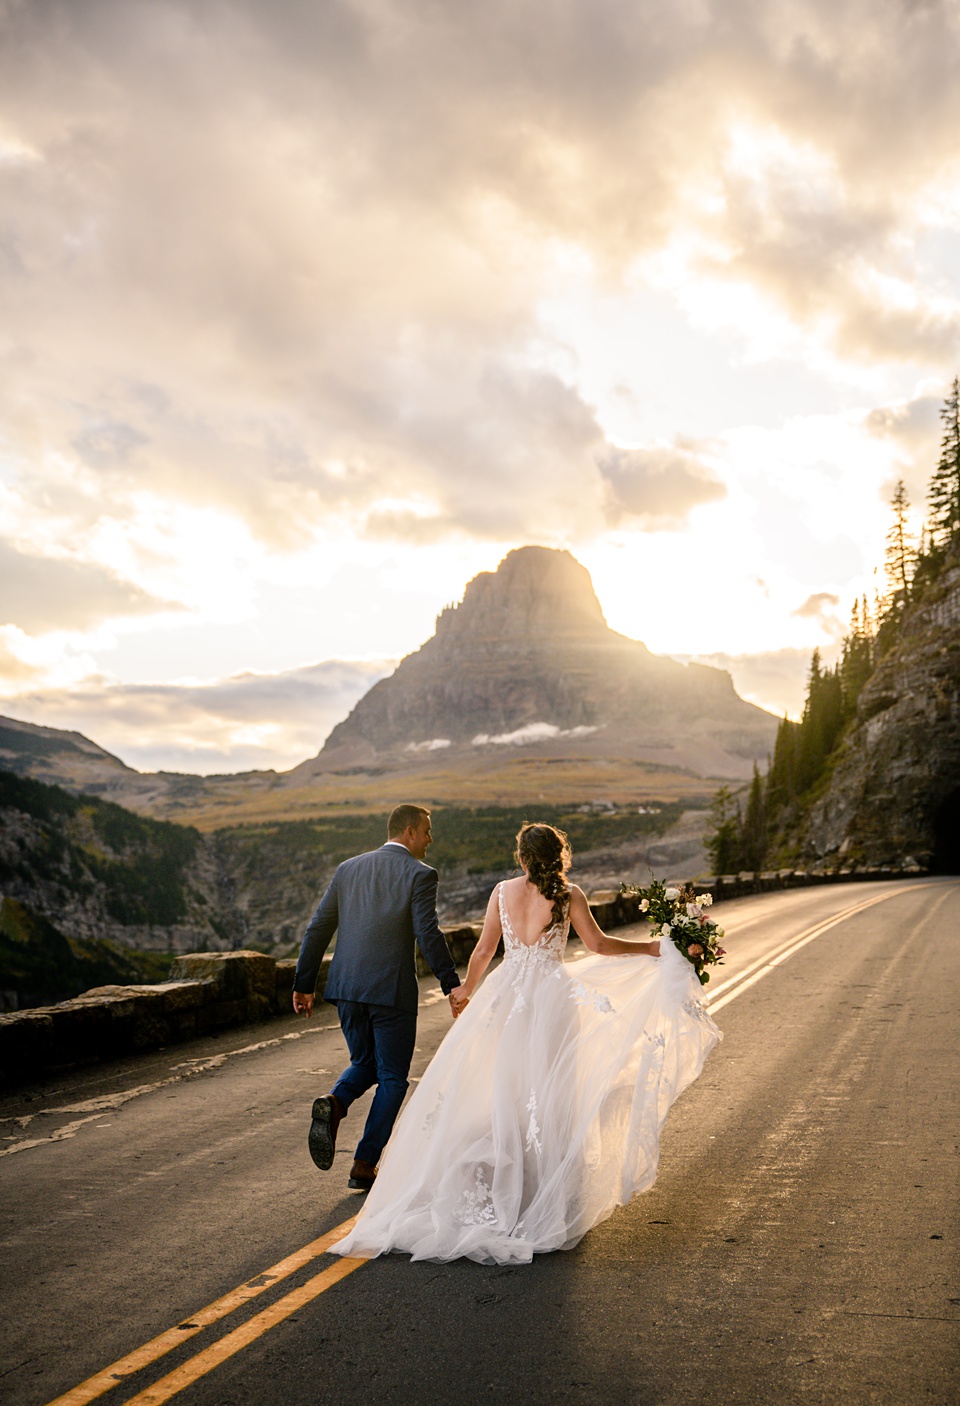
541, 1111
532, 1143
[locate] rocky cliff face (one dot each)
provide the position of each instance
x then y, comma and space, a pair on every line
527, 660
99, 872
92, 893
895, 791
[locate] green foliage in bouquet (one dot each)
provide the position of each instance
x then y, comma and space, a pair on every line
680, 915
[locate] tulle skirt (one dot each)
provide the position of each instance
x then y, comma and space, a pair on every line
541, 1111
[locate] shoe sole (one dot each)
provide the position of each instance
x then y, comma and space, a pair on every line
354, 1184
320, 1138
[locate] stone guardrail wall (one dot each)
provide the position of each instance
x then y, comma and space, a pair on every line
744, 884
212, 991
207, 992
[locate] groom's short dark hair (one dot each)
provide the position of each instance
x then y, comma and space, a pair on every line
402, 816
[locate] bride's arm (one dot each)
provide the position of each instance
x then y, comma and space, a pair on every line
483, 953
593, 936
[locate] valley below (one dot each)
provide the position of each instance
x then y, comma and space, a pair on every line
94, 894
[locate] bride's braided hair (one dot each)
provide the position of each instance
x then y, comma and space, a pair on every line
545, 854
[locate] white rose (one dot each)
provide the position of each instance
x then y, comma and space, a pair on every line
666, 930
692, 910
644, 905
671, 894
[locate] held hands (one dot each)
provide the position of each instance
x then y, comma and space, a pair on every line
303, 1003
458, 1001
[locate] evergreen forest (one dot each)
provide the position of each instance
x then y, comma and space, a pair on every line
760, 827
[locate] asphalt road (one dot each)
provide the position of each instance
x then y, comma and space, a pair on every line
800, 1245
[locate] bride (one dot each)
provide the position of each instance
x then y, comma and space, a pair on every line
541, 1111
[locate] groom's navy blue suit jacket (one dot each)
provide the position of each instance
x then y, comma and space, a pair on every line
380, 905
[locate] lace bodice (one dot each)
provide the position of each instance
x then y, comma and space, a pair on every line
548, 947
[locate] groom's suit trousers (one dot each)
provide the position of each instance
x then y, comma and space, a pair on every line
381, 1041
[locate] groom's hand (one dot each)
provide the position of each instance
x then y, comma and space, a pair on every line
458, 1002
303, 1003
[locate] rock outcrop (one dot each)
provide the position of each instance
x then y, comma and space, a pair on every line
895, 790
528, 661
85, 872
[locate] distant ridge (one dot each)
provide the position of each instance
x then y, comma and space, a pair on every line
54, 755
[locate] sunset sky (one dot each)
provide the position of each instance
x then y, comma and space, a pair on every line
312, 309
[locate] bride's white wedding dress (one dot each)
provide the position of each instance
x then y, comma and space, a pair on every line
541, 1111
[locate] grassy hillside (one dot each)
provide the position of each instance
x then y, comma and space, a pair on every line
557, 783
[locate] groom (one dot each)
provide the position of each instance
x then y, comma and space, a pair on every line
380, 904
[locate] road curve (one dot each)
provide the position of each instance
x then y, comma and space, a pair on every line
800, 1245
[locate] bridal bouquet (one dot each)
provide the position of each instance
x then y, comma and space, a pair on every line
677, 914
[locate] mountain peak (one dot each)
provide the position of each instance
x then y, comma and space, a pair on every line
528, 660
535, 592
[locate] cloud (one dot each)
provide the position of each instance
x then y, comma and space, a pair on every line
54, 593
914, 427
530, 732
658, 485
828, 252
287, 260
821, 607
915, 424
14, 669
435, 744
250, 721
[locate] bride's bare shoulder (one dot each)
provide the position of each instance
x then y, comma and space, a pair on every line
502, 886
511, 885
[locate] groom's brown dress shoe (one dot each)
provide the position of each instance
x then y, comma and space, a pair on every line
322, 1138
362, 1176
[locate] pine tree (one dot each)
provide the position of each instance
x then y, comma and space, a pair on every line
901, 554
821, 723
867, 622
782, 773
856, 659
944, 491
724, 845
754, 840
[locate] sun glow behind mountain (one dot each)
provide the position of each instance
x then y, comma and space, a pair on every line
314, 314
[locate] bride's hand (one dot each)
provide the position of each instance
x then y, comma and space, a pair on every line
458, 1002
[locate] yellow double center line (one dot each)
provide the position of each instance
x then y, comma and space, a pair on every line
248, 1332
734, 986
198, 1366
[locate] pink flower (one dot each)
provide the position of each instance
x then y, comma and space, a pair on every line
695, 949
